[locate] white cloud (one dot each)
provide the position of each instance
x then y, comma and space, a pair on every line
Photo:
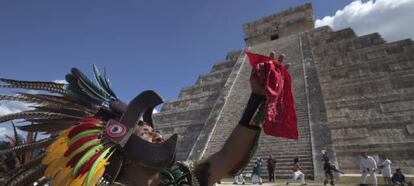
391, 18
9, 107
60, 81
4, 131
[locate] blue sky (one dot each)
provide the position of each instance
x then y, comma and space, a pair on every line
160, 45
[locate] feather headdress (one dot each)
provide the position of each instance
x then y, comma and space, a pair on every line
90, 132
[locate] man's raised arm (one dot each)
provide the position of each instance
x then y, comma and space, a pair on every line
239, 147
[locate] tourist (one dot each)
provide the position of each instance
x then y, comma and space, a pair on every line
257, 169
329, 169
297, 172
239, 179
398, 178
271, 164
367, 165
386, 170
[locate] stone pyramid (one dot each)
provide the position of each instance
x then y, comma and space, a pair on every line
352, 94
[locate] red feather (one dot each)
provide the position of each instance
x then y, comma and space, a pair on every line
72, 162
79, 143
82, 127
89, 120
85, 167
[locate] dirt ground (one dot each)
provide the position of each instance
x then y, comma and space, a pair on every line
343, 181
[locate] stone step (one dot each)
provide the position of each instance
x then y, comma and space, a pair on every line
180, 123
188, 103
285, 154
351, 44
339, 35
283, 166
190, 114
280, 162
233, 55
213, 76
293, 147
223, 65
207, 88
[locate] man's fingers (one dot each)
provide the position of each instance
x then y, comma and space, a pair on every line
281, 58
272, 54
287, 65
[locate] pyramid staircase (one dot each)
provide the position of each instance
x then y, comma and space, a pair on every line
187, 114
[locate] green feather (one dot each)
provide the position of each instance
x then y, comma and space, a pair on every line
84, 146
83, 134
108, 84
100, 81
86, 157
84, 82
94, 166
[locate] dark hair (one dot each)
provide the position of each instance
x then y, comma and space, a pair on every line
296, 160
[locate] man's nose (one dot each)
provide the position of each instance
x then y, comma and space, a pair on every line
156, 138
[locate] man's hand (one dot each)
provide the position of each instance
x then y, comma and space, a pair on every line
255, 86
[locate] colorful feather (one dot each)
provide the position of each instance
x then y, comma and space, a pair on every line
88, 144
87, 158
55, 167
88, 87
35, 85
63, 175
84, 134
88, 164
79, 143
78, 148
78, 181
97, 168
75, 159
27, 147
83, 127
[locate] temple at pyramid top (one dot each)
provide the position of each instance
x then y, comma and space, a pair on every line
290, 21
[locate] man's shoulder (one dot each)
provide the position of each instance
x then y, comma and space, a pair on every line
180, 171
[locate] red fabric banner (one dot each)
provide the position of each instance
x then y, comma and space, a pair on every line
280, 115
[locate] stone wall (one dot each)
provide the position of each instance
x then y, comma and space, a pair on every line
368, 88
282, 24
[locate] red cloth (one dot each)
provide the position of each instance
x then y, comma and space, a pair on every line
280, 114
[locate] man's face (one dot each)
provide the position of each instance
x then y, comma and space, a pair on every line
147, 133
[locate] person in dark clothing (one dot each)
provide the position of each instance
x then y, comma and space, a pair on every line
398, 178
271, 164
329, 169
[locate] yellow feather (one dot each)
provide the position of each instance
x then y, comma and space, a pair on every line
63, 175
59, 141
66, 132
98, 175
67, 180
78, 181
58, 152
100, 169
54, 167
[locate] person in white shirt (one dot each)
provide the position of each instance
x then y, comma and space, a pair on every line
239, 179
368, 166
386, 170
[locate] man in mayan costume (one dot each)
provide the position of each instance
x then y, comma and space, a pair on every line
96, 139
